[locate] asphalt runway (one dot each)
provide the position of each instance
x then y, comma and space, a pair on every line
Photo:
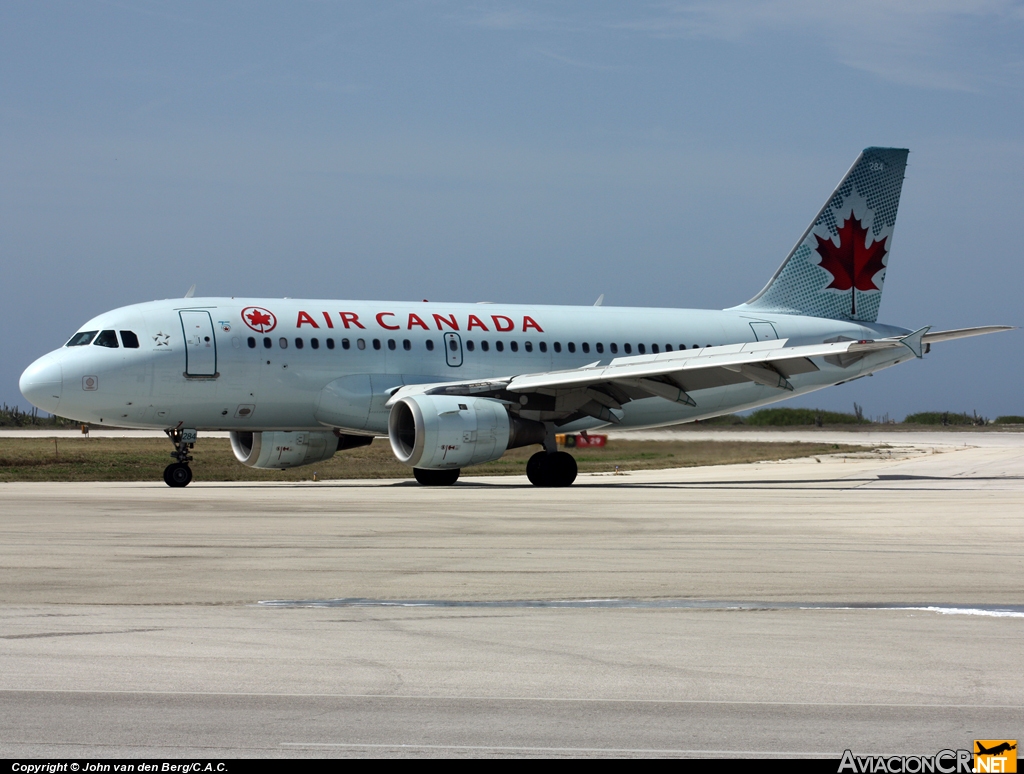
873, 601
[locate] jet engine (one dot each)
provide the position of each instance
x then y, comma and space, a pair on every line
438, 432
278, 451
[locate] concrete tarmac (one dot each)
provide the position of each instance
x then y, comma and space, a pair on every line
872, 601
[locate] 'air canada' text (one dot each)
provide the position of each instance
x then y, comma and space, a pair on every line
498, 323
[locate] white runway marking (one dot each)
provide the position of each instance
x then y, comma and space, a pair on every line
998, 611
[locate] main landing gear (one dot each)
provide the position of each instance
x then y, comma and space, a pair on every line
179, 473
551, 469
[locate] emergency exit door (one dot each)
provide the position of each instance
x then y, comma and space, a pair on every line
453, 349
200, 343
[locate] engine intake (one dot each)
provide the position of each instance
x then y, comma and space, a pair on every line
437, 432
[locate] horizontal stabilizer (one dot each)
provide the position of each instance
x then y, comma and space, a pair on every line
963, 333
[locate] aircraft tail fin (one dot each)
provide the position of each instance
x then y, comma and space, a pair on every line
838, 267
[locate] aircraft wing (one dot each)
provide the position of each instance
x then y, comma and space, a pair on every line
599, 391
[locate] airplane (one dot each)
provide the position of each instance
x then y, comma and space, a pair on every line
455, 385
999, 748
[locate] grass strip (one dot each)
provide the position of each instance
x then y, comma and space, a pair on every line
143, 459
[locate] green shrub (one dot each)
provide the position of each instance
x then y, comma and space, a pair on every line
791, 417
1010, 419
12, 416
943, 418
725, 419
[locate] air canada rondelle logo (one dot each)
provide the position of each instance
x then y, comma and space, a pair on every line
259, 319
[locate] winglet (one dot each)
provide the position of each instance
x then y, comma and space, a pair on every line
914, 342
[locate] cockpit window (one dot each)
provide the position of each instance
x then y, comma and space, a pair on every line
129, 339
80, 339
106, 339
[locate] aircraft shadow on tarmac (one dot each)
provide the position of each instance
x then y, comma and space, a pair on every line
472, 483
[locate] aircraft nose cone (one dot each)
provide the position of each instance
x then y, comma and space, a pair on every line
42, 382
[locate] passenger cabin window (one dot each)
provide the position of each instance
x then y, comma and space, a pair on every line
106, 339
499, 346
330, 343
469, 345
572, 346
641, 349
615, 349
514, 345
430, 345
558, 346
543, 346
600, 348
345, 344
298, 343
654, 348
129, 340
406, 344
628, 348
251, 341
80, 339
529, 346
314, 343
586, 348
361, 343
267, 343
484, 346
283, 342
376, 343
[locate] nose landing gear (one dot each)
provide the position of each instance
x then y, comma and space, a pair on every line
179, 473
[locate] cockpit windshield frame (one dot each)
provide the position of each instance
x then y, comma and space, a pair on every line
81, 339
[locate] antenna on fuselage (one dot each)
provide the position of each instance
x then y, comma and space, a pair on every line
191, 291
600, 300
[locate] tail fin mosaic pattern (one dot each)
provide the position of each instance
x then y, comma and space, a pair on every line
838, 267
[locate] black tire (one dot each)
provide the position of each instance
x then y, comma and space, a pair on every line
436, 477
565, 469
558, 469
538, 469
177, 474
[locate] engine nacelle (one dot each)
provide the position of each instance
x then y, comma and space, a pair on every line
278, 451
438, 432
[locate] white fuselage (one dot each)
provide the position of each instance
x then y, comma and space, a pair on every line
273, 364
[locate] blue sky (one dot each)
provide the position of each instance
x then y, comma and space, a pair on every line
664, 154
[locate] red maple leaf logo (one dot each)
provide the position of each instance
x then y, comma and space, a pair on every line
853, 264
261, 320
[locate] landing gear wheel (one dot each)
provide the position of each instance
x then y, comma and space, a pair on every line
436, 477
537, 469
565, 469
177, 474
558, 469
